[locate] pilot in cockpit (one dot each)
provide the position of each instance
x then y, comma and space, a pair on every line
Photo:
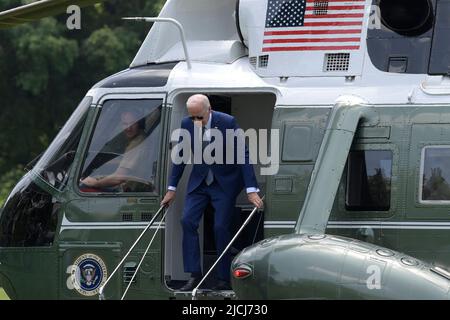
129, 172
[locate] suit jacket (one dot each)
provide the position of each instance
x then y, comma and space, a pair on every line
231, 177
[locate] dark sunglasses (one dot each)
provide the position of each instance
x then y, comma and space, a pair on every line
196, 117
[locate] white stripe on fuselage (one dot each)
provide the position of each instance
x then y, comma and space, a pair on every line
368, 224
69, 225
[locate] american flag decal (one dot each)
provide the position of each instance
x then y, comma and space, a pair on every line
307, 25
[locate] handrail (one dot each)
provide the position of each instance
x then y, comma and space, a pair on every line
102, 288
143, 256
177, 24
194, 292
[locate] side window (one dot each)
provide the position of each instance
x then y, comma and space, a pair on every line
124, 150
56, 162
368, 185
435, 180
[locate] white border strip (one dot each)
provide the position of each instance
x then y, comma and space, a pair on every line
68, 225
279, 224
389, 225
368, 224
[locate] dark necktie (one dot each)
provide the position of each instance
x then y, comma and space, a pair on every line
210, 176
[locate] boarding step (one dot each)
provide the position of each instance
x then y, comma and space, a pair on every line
205, 294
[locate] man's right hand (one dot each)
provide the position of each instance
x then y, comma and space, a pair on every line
168, 198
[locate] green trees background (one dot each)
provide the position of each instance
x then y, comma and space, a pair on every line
46, 69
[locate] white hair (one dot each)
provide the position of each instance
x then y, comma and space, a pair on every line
198, 98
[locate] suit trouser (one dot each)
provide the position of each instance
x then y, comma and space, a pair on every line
195, 205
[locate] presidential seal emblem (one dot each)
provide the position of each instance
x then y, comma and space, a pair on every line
89, 274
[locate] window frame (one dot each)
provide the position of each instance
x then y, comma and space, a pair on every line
347, 182
36, 169
421, 171
341, 210
124, 96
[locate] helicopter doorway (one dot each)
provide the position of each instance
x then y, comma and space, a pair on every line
251, 111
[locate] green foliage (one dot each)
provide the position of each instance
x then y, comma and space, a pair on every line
3, 295
45, 51
110, 49
8, 180
47, 69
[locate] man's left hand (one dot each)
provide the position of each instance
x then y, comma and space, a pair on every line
254, 198
89, 181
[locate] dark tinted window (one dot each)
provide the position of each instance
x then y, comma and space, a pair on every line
55, 164
124, 150
29, 218
369, 180
436, 174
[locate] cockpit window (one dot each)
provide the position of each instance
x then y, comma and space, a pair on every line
435, 184
56, 162
123, 153
369, 175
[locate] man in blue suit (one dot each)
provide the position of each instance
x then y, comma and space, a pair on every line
218, 184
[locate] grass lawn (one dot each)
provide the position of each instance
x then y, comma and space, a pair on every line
3, 295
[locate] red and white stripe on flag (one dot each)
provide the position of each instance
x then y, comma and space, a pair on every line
307, 25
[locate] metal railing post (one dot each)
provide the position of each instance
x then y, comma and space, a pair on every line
177, 24
143, 256
194, 292
102, 288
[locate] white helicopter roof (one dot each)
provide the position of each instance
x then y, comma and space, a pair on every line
375, 87
321, 61
284, 38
